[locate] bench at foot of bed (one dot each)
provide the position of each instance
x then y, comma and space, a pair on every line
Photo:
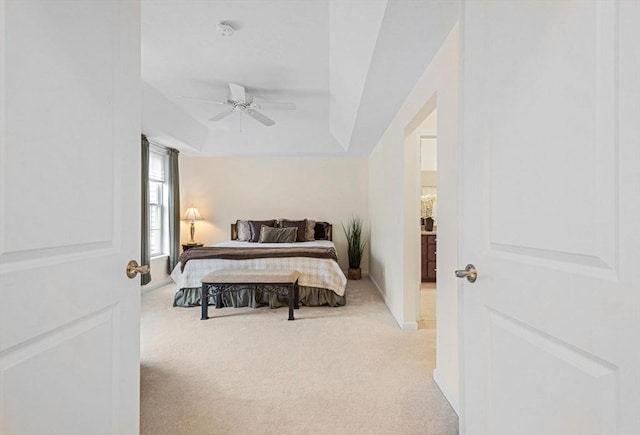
282, 282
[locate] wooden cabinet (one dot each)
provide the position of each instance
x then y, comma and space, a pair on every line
429, 253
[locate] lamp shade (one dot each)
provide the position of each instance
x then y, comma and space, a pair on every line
192, 214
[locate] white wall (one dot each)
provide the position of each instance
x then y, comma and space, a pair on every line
350, 54
226, 189
394, 189
164, 122
429, 155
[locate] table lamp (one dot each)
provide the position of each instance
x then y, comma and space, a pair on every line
192, 215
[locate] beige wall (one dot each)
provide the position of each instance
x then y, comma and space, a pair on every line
394, 209
226, 189
429, 179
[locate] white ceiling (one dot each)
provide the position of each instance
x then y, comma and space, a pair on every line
332, 58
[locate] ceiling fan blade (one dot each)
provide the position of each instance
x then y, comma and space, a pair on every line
206, 99
276, 104
237, 93
259, 117
221, 115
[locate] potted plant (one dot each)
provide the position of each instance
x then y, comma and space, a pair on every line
355, 246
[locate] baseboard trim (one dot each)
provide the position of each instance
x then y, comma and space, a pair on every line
401, 324
378, 289
446, 391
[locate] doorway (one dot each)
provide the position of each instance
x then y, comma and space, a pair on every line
427, 134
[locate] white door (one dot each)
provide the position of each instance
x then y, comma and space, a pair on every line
69, 216
551, 206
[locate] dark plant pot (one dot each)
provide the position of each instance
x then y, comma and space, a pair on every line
354, 273
428, 224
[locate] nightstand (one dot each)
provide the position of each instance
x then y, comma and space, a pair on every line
187, 246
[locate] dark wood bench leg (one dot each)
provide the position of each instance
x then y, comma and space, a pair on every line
204, 301
296, 301
292, 297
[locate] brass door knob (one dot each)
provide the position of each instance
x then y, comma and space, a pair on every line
133, 269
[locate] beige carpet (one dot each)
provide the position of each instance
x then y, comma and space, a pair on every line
427, 318
341, 371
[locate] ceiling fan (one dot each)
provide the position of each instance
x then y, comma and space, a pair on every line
242, 102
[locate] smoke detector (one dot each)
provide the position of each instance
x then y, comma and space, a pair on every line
225, 30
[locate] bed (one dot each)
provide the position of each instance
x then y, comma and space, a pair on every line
321, 281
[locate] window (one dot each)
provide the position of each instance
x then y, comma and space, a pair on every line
158, 200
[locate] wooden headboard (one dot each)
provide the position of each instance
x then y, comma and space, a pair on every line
234, 231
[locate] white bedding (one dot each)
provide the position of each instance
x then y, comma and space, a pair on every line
314, 272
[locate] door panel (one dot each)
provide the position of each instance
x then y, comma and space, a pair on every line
574, 390
60, 81
548, 326
69, 216
559, 108
43, 365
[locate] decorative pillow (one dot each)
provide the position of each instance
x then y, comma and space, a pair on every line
320, 231
277, 235
244, 231
300, 225
255, 227
309, 233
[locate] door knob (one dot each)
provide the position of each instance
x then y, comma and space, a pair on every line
133, 269
469, 272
